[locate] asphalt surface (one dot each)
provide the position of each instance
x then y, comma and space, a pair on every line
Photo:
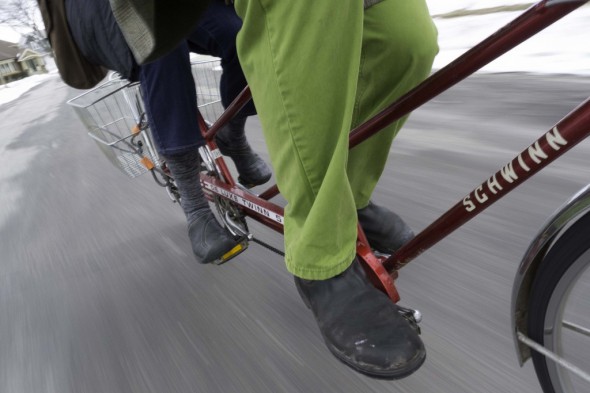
99, 291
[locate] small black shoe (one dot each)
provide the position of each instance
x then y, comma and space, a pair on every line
210, 242
252, 169
361, 326
385, 230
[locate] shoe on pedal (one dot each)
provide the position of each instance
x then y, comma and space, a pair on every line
210, 242
252, 169
232, 142
361, 326
385, 230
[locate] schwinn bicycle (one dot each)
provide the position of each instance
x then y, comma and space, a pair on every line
552, 282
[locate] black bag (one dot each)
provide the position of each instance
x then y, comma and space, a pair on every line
74, 69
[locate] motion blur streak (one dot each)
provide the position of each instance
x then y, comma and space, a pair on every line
99, 292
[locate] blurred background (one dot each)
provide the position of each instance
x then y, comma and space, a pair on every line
99, 291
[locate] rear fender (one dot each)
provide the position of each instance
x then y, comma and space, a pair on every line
570, 212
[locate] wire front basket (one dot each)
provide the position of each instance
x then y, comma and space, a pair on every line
114, 115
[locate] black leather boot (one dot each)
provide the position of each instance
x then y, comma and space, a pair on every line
210, 242
361, 326
385, 230
232, 142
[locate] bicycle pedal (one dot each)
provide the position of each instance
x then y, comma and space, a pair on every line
234, 252
414, 317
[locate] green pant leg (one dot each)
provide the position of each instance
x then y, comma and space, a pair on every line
399, 46
301, 59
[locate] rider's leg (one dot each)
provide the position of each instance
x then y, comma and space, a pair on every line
215, 35
302, 60
303, 81
170, 101
209, 240
397, 55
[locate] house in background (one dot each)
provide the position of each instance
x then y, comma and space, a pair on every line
17, 63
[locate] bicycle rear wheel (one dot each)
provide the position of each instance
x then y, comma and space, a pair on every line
559, 312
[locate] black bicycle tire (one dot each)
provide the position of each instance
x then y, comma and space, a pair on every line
572, 244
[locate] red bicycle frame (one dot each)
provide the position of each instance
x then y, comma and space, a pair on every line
567, 133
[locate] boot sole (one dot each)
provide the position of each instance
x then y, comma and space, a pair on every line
390, 375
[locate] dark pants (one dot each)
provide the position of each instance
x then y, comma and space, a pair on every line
169, 88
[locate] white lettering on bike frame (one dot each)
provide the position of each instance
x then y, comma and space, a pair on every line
244, 202
535, 152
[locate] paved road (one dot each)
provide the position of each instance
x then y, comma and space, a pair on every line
99, 292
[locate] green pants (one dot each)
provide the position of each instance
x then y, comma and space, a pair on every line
317, 68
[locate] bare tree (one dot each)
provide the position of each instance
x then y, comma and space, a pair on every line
24, 17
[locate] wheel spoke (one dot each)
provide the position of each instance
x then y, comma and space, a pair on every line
576, 328
554, 357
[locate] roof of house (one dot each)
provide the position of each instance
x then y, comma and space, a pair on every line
8, 50
28, 54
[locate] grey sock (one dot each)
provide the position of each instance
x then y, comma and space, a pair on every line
185, 171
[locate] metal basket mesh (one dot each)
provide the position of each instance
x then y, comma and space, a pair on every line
111, 110
207, 76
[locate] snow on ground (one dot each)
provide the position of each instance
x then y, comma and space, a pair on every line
13, 90
563, 48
